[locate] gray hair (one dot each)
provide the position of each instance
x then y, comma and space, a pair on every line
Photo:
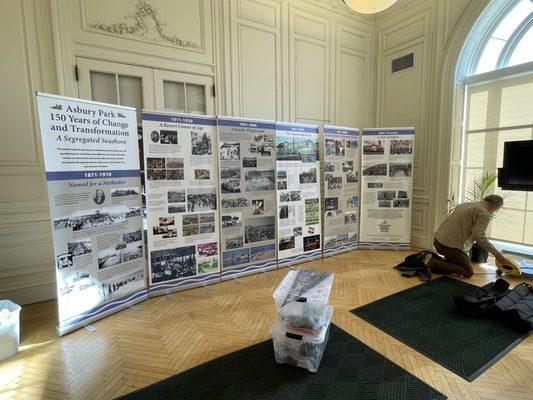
494, 199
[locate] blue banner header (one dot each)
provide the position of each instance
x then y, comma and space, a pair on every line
245, 123
335, 130
179, 119
392, 131
104, 174
297, 127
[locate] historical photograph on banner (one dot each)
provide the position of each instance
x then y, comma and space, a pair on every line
91, 159
181, 200
298, 189
341, 188
247, 162
386, 187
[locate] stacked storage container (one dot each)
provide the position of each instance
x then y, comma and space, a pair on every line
301, 332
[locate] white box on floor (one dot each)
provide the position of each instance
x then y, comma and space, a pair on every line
299, 348
9, 329
310, 286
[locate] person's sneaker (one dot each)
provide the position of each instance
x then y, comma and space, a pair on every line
425, 273
426, 257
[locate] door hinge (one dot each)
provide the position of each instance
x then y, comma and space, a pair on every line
214, 91
76, 73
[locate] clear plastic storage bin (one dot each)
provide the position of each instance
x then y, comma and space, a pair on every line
300, 349
9, 329
307, 317
303, 285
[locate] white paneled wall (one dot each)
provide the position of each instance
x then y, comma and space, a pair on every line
293, 60
403, 100
25, 240
425, 95
256, 58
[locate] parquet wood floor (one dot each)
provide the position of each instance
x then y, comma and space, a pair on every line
131, 349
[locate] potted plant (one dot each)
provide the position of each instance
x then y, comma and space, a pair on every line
477, 190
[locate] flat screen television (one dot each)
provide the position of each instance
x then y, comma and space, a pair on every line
517, 170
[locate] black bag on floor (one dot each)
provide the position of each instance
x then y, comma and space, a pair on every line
413, 265
516, 307
480, 301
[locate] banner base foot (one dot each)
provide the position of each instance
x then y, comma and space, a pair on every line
90, 328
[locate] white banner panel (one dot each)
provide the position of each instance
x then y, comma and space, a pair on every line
247, 195
341, 188
91, 158
386, 187
298, 185
181, 199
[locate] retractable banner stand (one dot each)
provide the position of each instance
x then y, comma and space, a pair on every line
386, 187
181, 198
341, 189
91, 159
298, 185
247, 195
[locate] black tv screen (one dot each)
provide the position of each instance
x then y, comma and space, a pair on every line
517, 170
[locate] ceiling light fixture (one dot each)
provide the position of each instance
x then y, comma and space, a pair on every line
369, 6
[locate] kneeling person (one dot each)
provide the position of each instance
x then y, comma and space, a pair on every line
455, 236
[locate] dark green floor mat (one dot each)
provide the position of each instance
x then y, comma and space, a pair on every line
424, 318
349, 370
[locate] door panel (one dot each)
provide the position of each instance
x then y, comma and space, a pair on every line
177, 92
116, 83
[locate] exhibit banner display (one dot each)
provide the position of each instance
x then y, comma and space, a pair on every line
386, 187
298, 186
181, 200
341, 189
91, 159
247, 162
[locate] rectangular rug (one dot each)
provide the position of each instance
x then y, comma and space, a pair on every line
424, 318
349, 370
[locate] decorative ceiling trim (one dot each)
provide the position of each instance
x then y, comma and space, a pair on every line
339, 7
143, 10
400, 5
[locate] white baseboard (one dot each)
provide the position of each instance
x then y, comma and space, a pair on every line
31, 295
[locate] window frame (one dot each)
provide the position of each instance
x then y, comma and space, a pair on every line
513, 41
497, 75
485, 28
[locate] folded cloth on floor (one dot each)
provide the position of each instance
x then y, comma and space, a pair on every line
480, 301
415, 265
516, 306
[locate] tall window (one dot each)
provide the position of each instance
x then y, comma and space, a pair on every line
499, 108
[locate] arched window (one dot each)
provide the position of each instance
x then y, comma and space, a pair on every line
508, 41
496, 68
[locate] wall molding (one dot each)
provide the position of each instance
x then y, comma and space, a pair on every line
445, 109
143, 10
397, 7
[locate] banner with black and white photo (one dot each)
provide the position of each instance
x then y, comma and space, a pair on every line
386, 187
341, 189
247, 195
298, 187
181, 200
91, 159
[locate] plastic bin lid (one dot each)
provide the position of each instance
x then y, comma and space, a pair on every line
304, 281
9, 305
